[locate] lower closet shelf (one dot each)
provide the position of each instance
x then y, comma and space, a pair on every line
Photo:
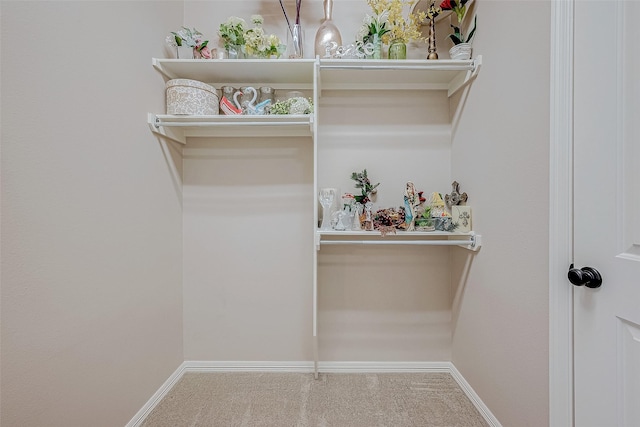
470, 240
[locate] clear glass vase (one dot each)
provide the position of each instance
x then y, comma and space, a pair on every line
377, 47
326, 197
397, 50
235, 52
295, 42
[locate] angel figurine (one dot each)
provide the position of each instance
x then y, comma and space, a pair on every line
368, 221
411, 203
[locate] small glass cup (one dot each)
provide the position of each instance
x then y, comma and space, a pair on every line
326, 196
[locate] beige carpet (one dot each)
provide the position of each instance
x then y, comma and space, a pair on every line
292, 399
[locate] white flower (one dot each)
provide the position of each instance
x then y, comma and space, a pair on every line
362, 32
235, 21
300, 105
257, 19
383, 18
273, 40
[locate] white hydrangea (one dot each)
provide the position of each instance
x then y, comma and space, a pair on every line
257, 19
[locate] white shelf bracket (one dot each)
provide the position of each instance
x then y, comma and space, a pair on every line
476, 243
157, 128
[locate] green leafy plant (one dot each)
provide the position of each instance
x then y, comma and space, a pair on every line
458, 37
364, 184
187, 37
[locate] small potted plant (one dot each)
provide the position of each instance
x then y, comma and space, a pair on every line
371, 32
232, 34
461, 45
189, 43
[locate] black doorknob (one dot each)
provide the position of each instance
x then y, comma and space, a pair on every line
585, 276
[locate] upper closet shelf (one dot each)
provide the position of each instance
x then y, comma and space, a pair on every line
442, 74
342, 74
294, 72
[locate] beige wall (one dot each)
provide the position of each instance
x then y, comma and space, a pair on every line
500, 153
248, 210
91, 219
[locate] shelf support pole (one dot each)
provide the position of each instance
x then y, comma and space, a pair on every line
470, 76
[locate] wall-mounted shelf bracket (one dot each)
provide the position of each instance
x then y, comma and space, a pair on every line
165, 132
460, 83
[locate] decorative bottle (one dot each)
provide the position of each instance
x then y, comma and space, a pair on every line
328, 32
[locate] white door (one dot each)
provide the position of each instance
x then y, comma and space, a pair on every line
607, 212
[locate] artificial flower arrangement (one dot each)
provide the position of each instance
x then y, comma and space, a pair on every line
399, 27
232, 31
459, 7
191, 38
373, 27
257, 43
364, 184
253, 40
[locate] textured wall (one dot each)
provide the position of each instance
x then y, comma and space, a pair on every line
91, 219
500, 155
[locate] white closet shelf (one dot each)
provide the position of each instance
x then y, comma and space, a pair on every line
470, 240
442, 74
179, 128
293, 72
334, 74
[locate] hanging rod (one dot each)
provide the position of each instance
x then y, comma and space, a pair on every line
471, 242
159, 123
469, 67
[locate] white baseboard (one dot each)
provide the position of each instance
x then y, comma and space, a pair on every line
247, 366
307, 367
157, 397
475, 399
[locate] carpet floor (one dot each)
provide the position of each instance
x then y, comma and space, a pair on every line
296, 399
